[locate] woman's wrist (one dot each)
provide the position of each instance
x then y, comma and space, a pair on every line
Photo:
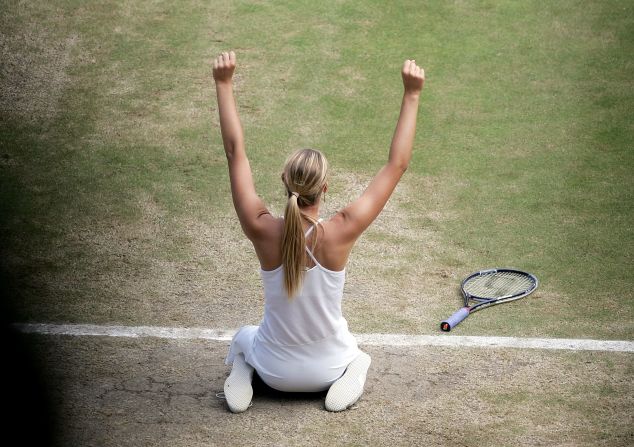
225, 83
412, 95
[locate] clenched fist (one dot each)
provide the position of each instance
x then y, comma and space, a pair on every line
223, 66
413, 77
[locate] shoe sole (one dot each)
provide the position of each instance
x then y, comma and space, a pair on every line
347, 390
238, 389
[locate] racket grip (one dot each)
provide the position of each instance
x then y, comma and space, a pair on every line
453, 320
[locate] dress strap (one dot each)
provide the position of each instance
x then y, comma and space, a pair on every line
310, 230
310, 253
312, 256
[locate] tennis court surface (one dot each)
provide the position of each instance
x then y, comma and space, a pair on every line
123, 390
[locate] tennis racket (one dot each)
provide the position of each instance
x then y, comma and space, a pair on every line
488, 288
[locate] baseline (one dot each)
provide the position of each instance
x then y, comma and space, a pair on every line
454, 341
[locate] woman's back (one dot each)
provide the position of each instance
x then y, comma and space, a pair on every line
330, 249
311, 315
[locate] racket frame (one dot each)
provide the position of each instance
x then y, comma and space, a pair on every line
467, 310
488, 302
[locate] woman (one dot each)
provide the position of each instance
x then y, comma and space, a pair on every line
303, 342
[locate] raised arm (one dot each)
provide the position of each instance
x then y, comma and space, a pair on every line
357, 216
249, 207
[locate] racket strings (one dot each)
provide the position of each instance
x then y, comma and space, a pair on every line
498, 284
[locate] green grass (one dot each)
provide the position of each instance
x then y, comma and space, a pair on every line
524, 145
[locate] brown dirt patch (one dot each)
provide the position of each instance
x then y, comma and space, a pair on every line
33, 73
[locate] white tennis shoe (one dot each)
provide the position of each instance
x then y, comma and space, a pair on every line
238, 389
348, 388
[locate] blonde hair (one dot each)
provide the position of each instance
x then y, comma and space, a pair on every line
304, 176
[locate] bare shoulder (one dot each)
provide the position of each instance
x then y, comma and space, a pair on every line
268, 241
339, 229
334, 246
266, 226
272, 229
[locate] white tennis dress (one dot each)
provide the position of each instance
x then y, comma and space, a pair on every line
303, 343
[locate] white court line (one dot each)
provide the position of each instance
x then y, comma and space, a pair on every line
453, 341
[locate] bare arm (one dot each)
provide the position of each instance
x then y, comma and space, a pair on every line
362, 212
249, 207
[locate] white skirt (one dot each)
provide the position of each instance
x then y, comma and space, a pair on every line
303, 368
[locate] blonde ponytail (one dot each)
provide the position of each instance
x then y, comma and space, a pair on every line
293, 243
304, 177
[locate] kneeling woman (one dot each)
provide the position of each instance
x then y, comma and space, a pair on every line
303, 342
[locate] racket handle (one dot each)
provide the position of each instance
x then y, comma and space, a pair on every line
453, 320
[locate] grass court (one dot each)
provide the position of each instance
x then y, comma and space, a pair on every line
115, 208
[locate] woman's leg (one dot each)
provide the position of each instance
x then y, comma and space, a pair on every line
349, 387
238, 389
242, 342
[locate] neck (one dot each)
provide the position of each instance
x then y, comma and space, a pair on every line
311, 211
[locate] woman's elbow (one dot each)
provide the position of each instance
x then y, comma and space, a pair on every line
399, 165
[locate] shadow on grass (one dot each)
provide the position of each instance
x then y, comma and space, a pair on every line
30, 415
